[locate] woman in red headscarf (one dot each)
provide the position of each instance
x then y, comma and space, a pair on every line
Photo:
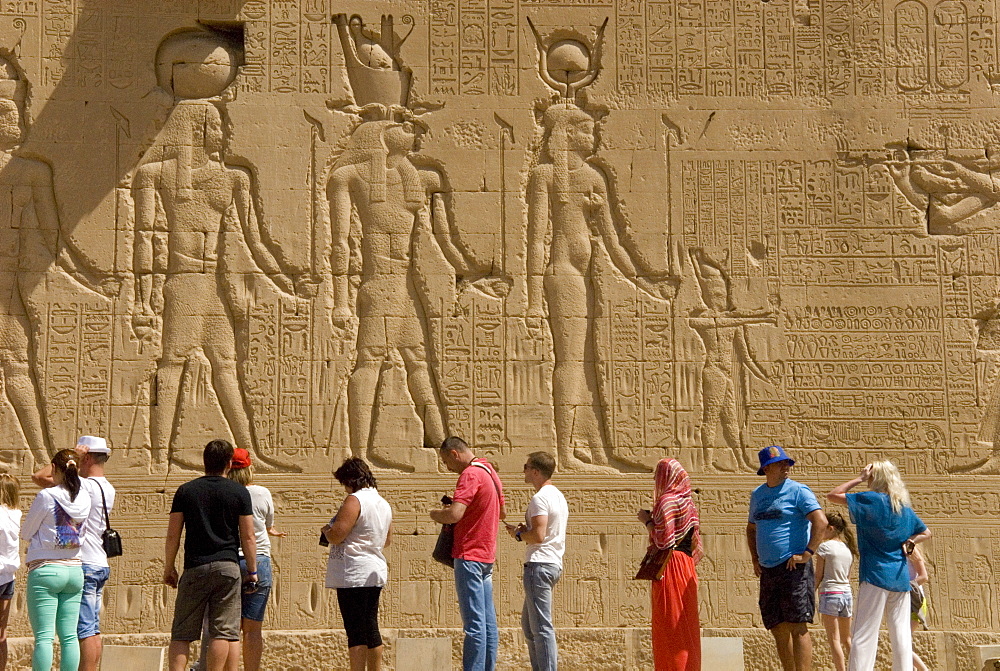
673, 523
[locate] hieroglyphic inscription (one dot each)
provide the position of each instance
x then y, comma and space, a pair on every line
722, 224
474, 47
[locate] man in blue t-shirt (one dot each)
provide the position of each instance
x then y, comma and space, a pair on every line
785, 527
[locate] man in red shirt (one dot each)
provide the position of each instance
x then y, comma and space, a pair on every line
476, 511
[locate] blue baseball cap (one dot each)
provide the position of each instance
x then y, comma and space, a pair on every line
770, 455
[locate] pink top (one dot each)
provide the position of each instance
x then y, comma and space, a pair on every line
476, 532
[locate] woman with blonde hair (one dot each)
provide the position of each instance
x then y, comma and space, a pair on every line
53, 528
10, 560
888, 531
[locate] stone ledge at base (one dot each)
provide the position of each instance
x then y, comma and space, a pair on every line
581, 649
722, 652
133, 657
987, 657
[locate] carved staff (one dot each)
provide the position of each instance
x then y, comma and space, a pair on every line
506, 131
121, 126
675, 239
316, 135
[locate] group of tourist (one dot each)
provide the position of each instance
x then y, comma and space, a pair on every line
67, 564
227, 520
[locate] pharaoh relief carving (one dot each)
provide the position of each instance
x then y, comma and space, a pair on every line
31, 247
572, 218
198, 246
392, 204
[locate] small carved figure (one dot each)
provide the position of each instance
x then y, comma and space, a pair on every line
728, 358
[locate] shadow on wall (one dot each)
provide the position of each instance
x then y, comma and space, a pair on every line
65, 222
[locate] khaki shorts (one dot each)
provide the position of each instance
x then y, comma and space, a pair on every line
212, 588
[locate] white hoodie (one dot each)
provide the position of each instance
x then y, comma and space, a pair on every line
10, 550
53, 525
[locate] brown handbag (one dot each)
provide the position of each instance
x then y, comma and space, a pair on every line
654, 563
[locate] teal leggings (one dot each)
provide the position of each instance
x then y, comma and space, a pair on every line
54, 606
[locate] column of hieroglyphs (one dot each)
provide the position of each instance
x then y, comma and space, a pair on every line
613, 229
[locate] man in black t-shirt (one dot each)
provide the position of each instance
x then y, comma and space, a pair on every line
218, 515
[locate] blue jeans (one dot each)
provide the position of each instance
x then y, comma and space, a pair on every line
94, 578
474, 584
536, 616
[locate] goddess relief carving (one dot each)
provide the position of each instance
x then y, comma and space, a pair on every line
570, 217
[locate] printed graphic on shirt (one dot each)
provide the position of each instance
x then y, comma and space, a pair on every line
769, 514
67, 531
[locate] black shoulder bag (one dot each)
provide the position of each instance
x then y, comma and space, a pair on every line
110, 539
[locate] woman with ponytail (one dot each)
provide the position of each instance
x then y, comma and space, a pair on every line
53, 530
888, 531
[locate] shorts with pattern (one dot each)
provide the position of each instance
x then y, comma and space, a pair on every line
787, 595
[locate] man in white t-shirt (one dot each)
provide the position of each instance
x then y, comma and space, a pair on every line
545, 535
94, 454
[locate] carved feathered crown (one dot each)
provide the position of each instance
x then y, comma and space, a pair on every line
378, 79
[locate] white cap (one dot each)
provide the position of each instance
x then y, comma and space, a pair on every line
94, 445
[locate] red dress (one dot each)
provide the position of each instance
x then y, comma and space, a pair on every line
676, 627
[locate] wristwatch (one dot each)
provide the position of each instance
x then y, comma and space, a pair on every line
809, 550
517, 535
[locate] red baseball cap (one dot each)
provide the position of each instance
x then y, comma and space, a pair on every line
241, 458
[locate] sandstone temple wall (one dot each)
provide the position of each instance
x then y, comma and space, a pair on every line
614, 229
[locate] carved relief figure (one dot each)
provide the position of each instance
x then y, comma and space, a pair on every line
395, 202
949, 188
569, 217
29, 245
189, 205
728, 359
952, 189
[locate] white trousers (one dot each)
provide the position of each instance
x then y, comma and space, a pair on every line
871, 603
